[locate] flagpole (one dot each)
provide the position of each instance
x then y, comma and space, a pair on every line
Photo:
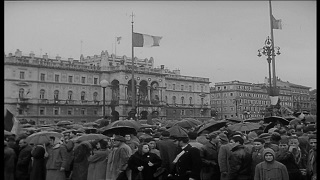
132, 79
115, 47
273, 55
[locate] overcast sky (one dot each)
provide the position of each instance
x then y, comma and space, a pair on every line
212, 39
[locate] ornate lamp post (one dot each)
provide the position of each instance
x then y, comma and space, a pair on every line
104, 83
269, 51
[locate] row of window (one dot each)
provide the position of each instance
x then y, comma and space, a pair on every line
70, 111
174, 100
182, 87
57, 78
246, 101
253, 109
218, 95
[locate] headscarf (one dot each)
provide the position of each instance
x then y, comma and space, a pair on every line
268, 150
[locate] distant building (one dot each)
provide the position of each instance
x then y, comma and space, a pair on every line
48, 90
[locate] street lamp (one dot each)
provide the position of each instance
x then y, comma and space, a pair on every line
269, 51
104, 83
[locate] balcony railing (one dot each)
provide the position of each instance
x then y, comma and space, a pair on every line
23, 100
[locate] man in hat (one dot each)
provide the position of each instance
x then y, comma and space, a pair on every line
187, 164
312, 158
209, 156
193, 142
240, 160
24, 160
118, 159
257, 154
270, 168
168, 151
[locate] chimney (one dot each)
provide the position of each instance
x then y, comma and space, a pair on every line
45, 56
162, 66
18, 53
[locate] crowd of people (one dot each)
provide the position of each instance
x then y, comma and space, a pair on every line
282, 153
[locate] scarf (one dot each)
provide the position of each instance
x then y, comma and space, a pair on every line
178, 156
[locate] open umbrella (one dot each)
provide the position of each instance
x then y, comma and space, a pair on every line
311, 118
63, 123
212, 126
234, 119
244, 126
169, 123
188, 123
130, 123
42, 137
177, 131
289, 117
91, 124
254, 119
295, 121
118, 130
279, 119
88, 137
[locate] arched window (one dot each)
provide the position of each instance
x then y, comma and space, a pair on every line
95, 96
166, 99
56, 94
202, 101
182, 100
42, 92
173, 100
69, 95
83, 95
190, 100
21, 93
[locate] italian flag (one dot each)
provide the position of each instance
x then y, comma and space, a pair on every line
144, 40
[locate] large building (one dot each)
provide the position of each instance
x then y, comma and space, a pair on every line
245, 100
48, 90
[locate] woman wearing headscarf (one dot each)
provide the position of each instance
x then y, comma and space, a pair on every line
144, 162
98, 161
80, 161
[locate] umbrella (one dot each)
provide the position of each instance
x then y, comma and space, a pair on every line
118, 130
254, 120
26, 125
295, 121
234, 119
62, 123
88, 137
157, 120
143, 121
279, 119
311, 118
42, 137
169, 123
188, 123
177, 131
91, 124
212, 126
130, 123
289, 117
244, 126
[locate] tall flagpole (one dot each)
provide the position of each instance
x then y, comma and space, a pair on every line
115, 46
133, 94
273, 55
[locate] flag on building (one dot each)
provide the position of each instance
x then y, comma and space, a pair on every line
144, 40
276, 23
11, 124
118, 39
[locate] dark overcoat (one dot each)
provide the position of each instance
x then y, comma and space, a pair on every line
38, 170
24, 160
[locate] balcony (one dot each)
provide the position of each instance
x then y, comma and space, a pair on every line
43, 101
23, 100
84, 101
70, 101
114, 102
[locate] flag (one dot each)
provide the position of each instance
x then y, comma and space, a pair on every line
144, 40
276, 23
118, 39
11, 124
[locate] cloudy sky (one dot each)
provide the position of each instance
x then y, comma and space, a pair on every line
213, 39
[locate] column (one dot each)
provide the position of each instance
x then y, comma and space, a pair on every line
149, 94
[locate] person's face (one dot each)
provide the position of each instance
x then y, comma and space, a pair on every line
268, 157
145, 148
116, 143
313, 143
294, 142
98, 146
152, 144
22, 143
257, 145
52, 142
267, 140
177, 143
283, 146
128, 137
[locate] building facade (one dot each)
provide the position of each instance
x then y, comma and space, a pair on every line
48, 90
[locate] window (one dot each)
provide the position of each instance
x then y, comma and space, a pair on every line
83, 111
20, 112
83, 80
56, 111
42, 110
173, 86
21, 93
56, 78
95, 80
190, 100
182, 100
173, 100
70, 111
83, 95
190, 88
42, 91
201, 88
56, 95
69, 95
166, 99
182, 86
95, 112
231, 94
95, 95
183, 112
202, 101
21, 75
70, 79
42, 77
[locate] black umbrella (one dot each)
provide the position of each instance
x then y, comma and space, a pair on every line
178, 131
212, 126
275, 119
118, 130
254, 119
234, 119
311, 118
